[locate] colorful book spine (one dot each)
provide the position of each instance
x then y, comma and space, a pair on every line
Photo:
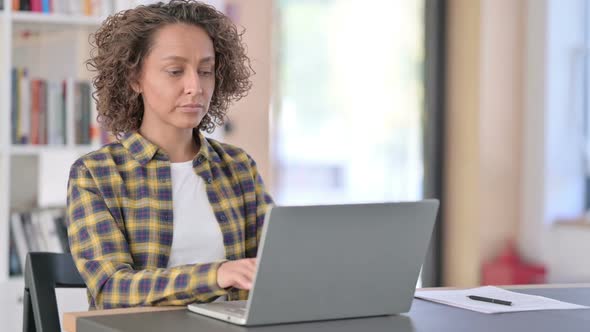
14, 108
24, 110
46, 6
36, 6
35, 116
70, 7
39, 111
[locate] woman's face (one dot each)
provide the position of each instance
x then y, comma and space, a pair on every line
177, 78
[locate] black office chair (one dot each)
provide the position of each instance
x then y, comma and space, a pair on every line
43, 273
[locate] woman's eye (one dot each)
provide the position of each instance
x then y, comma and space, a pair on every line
205, 72
175, 72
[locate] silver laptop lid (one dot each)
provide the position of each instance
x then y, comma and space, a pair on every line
326, 262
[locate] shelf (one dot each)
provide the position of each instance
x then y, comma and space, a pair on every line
37, 149
55, 19
51, 46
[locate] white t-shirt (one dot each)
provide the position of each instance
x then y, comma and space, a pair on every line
196, 235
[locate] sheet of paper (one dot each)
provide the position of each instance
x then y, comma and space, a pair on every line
520, 302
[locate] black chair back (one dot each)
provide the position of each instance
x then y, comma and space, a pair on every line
44, 272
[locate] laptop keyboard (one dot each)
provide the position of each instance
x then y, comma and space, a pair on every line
234, 308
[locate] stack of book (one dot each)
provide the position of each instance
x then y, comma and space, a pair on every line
36, 230
68, 7
39, 111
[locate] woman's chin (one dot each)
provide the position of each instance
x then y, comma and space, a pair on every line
193, 123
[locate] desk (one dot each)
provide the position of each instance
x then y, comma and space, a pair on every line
423, 317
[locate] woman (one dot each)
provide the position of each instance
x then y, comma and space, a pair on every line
165, 216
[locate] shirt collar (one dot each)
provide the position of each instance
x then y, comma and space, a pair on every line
207, 151
143, 150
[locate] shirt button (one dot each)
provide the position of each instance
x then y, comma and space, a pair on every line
222, 217
200, 159
209, 180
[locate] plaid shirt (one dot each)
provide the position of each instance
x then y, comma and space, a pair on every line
120, 221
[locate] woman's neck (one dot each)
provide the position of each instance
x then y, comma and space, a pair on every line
178, 144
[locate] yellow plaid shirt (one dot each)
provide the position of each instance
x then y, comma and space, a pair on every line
119, 215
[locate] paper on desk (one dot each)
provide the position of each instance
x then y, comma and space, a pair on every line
520, 302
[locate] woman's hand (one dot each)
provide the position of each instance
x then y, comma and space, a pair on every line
238, 274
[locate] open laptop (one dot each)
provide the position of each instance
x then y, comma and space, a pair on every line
333, 262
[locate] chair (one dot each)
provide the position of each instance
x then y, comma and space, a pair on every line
43, 273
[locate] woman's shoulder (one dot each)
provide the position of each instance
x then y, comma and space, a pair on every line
230, 153
101, 156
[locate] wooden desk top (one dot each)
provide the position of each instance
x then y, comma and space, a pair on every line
69, 318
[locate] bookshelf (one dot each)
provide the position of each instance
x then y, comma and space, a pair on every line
52, 47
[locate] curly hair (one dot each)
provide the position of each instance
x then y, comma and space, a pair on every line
124, 40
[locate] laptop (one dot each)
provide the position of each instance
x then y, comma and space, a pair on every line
333, 262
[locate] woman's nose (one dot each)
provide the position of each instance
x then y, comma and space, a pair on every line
192, 84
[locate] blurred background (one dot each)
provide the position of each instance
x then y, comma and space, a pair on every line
483, 104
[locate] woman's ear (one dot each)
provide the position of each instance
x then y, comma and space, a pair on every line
135, 82
135, 86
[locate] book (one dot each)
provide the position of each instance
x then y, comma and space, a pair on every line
42, 111
14, 108
46, 6
36, 6
30, 232
49, 232
17, 229
35, 111
25, 5
39, 111
14, 262
36, 230
24, 110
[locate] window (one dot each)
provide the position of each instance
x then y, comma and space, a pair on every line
349, 107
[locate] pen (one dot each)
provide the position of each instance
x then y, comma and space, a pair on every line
489, 299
